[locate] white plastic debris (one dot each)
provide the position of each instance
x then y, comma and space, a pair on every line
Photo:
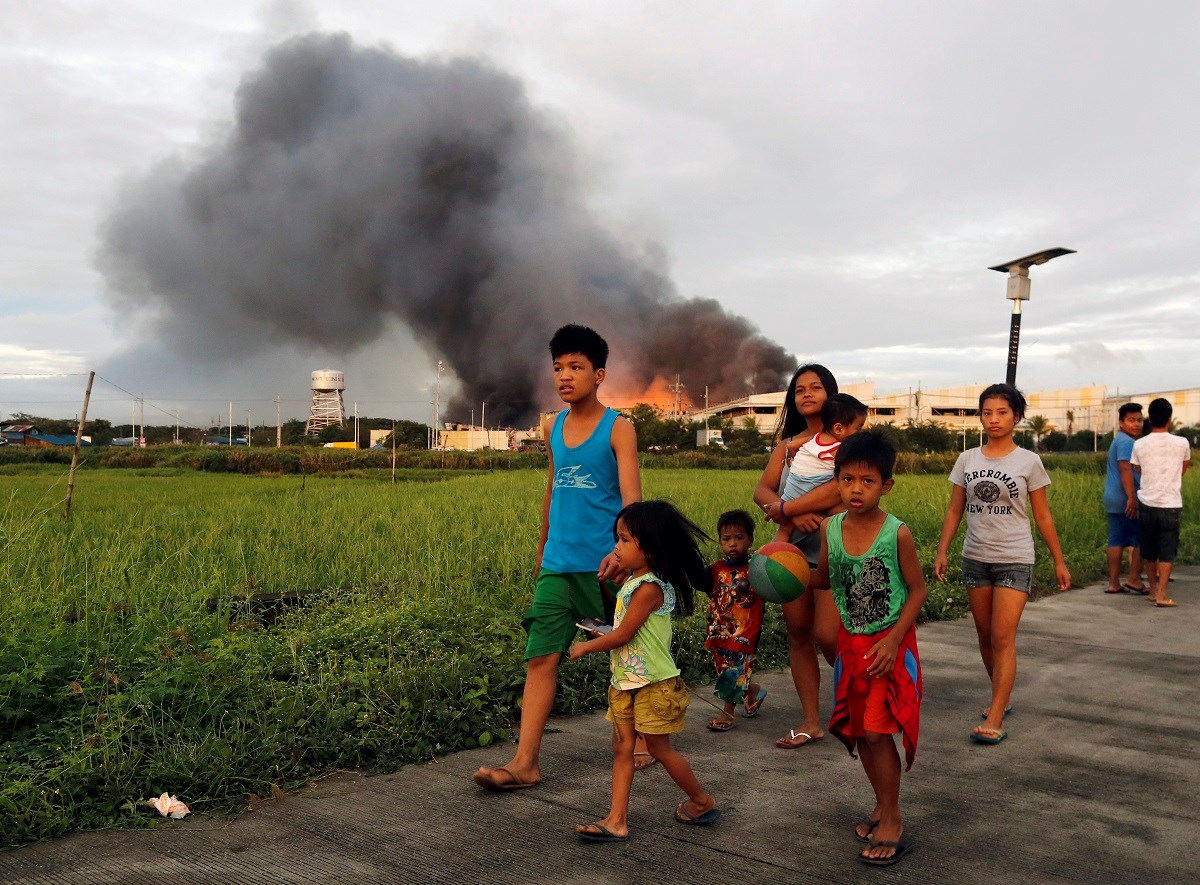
168, 806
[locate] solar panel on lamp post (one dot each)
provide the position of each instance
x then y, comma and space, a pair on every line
1018, 291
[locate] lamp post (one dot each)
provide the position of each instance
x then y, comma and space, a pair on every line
1018, 291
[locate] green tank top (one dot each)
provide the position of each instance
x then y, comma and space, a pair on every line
646, 658
869, 590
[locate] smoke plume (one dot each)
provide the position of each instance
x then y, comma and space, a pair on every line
355, 187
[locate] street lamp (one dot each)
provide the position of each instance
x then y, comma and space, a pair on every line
1018, 291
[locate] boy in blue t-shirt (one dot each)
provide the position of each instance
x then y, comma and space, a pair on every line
1121, 504
593, 475
869, 561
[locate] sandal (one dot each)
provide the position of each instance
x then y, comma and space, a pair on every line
639, 765
721, 725
752, 709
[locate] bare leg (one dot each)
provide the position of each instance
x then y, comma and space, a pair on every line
1152, 579
1164, 576
1114, 569
980, 599
617, 821
826, 621
802, 658
881, 762
541, 678
677, 767
1135, 566
1007, 606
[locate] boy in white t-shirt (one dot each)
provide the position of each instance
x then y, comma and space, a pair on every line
1161, 459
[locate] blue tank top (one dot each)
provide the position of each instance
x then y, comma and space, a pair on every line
584, 500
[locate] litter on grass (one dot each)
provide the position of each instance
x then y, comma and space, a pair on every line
168, 806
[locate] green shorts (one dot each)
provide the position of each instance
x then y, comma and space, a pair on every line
657, 708
559, 600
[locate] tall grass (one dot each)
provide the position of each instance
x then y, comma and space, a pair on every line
118, 679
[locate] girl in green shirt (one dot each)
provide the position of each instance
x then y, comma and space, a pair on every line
657, 545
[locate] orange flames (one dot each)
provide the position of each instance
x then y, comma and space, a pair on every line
659, 393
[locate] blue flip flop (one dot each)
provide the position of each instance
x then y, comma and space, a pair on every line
758, 702
990, 736
701, 820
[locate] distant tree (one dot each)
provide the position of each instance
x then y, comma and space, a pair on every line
1039, 426
1070, 423
1053, 441
409, 435
927, 436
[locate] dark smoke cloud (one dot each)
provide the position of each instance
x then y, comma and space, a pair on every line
355, 185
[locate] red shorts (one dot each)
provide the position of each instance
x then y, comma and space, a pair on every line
876, 717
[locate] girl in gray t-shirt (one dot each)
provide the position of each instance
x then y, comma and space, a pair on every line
996, 486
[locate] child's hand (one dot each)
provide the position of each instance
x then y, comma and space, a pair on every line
1063, 576
577, 651
884, 651
807, 522
610, 568
939, 566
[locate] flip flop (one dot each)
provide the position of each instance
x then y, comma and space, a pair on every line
791, 741
721, 725
488, 782
871, 825
605, 835
1166, 603
1133, 589
701, 820
646, 765
1007, 712
751, 712
903, 846
989, 736
1121, 589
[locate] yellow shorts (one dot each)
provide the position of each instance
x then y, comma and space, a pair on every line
657, 708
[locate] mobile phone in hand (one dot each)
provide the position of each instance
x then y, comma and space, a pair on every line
592, 625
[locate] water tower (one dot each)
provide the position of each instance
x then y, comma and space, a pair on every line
327, 407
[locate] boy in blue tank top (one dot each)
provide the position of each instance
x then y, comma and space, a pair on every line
593, 475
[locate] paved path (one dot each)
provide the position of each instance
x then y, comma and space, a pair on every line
1097, 783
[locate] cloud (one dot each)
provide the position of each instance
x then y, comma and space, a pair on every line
1096, 354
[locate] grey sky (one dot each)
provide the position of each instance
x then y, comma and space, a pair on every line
840, 174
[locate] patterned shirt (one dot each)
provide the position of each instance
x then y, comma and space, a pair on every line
735, 612
869, 590
646, 658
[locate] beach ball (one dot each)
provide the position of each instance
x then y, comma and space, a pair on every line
778, 572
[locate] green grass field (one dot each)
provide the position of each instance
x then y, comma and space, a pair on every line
118, 680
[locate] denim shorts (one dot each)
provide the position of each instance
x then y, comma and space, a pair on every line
1158, 528
1018, 575
1122, 531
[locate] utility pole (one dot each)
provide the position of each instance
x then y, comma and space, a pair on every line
231, 422
248, 438
487, 439
142, 435
437, 404
177, 427
278, 423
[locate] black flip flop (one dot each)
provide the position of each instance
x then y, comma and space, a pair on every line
605, 835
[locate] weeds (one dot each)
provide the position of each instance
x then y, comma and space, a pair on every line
118, 681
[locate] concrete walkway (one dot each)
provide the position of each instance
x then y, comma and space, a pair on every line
1096, 783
